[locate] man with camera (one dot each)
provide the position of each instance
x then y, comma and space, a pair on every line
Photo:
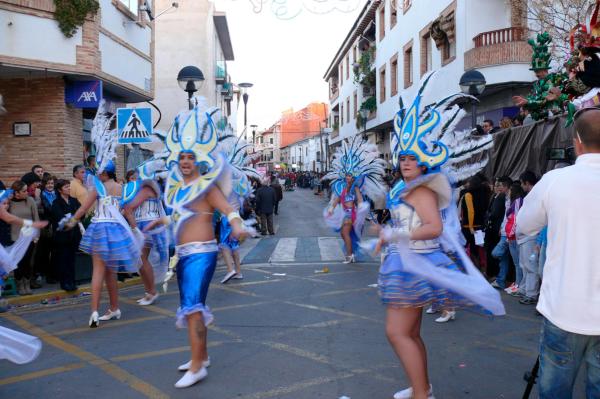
567, 200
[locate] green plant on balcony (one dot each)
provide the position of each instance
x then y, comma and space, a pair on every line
336, 126
70, 14
363, 68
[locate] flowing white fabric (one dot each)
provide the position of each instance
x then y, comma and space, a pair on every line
471, 284
10, 256
336, 219
17, 347
135, 234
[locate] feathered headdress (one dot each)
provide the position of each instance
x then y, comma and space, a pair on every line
427, 132
360, 159
193, 132
104, 139
5, 194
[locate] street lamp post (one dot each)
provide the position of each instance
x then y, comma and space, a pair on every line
245, 86
364, 113
473, 83
190, 79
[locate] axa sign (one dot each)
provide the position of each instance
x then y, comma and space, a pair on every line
84, 94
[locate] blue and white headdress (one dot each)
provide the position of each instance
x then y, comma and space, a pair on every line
426, 130
5, 194
237, 152
360, 159
104, 139
193, 132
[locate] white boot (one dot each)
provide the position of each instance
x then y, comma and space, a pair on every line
408, 393
93, 323
110, 315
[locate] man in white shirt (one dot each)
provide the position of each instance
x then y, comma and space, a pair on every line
568, 201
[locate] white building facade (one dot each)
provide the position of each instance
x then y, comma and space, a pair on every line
406, 39
53, 80
305, 155
196, 34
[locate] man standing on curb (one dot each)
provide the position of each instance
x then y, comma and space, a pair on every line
568, 201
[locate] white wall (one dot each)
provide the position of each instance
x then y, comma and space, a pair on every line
27, 36
126, 29
183, 37
124, 64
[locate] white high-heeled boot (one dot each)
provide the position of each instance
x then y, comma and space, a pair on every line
446, 317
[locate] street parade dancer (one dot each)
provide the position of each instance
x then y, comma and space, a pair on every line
113, 245
15, 346
142, 204
235, 150
357, 171
425, 262
198, 184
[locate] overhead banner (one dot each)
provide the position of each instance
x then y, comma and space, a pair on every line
84, 94
134, 125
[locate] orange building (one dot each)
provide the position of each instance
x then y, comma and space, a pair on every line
299, 125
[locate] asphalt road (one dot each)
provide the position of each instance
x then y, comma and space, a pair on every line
284, 331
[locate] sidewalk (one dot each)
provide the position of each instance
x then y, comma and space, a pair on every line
51, 293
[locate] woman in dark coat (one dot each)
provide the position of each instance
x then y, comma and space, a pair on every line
66, 242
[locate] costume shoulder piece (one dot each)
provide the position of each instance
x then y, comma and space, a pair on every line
426, 130
358, 158
178, 194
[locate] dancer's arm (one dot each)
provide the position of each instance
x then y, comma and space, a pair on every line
128, 210
218, 201
359, 197
333, 204
87, 204
12, 219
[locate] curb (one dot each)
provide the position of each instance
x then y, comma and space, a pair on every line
21, 300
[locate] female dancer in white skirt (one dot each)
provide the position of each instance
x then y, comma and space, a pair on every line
15, 346
425, 264
109, 239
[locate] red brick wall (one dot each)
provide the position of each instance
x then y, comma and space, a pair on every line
498, 54
56, 140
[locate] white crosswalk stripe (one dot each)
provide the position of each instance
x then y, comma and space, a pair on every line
285, 251
331, 248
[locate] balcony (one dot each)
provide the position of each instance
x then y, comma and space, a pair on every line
499, 47
220, 72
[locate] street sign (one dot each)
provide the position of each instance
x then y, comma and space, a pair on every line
84, 94
134, 125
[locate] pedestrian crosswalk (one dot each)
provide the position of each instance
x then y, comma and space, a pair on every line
296, 249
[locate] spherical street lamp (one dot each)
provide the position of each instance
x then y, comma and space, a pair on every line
472, 83
190, 79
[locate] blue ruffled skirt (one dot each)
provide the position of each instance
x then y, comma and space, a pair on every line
113, 243
194, 273
225, 239
400, 288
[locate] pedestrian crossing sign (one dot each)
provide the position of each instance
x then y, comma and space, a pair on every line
134, 125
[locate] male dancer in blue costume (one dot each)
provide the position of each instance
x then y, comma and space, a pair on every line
194, 197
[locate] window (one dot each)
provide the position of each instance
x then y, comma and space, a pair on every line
354, 59
382, 84
408, 65
393, 13
131, 5
406, 5
271, 140
318, 156
306, 151
348, 109
355, 109
382, 22
347, 66
342, 114
394, 75
341, 73
426, 53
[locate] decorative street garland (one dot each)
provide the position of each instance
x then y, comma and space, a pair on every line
70, 14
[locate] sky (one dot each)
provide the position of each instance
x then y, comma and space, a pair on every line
285, 59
